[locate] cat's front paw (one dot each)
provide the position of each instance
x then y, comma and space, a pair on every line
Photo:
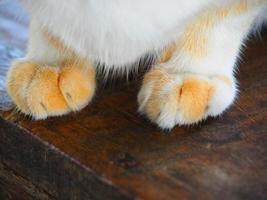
171, 98
42, 91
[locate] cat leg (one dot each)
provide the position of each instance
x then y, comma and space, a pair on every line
194, 78
50, 80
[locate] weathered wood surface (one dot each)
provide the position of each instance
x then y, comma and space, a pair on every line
108, 151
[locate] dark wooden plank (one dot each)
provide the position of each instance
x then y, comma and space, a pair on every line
122, 155
14, 187
49, 169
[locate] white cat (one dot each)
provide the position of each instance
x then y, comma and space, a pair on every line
197, 43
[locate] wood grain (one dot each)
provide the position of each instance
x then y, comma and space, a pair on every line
109, 151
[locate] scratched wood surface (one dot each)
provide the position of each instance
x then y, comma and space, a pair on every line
109, 151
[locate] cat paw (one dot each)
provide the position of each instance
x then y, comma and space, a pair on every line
43, 91
171, 98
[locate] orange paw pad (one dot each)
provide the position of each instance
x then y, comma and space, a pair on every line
170, 98
42, 91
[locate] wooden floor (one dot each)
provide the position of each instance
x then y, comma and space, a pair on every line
109, 151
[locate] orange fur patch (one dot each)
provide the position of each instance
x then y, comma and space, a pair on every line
195, 37
193, 98
57, 43
65, 51
44, 96
18, 80
194, 40
77, 84
168, 53
156, 74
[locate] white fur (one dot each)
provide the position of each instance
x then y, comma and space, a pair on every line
118, 33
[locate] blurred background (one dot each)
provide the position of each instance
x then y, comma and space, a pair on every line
13, 40
13, 24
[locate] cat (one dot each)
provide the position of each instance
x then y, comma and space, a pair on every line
196, 44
